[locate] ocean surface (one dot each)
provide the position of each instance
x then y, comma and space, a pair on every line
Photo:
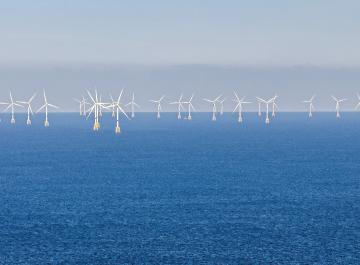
174, 191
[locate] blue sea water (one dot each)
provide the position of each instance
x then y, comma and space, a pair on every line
173, 191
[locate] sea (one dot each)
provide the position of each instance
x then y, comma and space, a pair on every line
172, 191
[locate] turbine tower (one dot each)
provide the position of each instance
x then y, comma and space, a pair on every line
222, 106
274, 106
180, 106
29, 108
311, 105
190, 107
95, 108
118, 108
132, 104
239, 105
213, 102
259, 107
337, 106
11, 105
46, 106
267, 102
158, 102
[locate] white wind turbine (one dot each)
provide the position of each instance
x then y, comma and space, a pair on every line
274, 106
158, 102
80, 106
11, 105
358, 105
46, 106
118, 108
337, 107
133, 104
190, 106
239, 105
213, 102
180, 106
95, 108
29, 108
267, 102
222, 106
311, 105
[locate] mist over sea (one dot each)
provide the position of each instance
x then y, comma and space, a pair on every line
174, 191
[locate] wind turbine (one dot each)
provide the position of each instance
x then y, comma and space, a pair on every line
95, 108
46, 106
29, 108
311, 105
180, 106
11, 105
267, 102
118, 108
337, 107
80, 106
190, 107
158, 102
133, 105
222, 106
239, 105
274, 106
213, 102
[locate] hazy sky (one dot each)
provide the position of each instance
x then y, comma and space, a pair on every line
259, 48
270, 32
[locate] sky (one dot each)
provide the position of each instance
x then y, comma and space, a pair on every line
166, 47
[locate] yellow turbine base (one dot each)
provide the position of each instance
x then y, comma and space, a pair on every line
117, 129
96, 126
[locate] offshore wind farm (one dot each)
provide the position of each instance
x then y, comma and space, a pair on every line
117, 108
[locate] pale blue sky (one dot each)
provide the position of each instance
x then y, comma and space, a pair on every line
276, 32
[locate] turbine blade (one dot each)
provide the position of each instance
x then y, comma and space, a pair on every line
123, 112
118, 100
192, 96
92, 99
217, 99
43, 106
45, 96
8, 107
51, 105
237, 97
237, 105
